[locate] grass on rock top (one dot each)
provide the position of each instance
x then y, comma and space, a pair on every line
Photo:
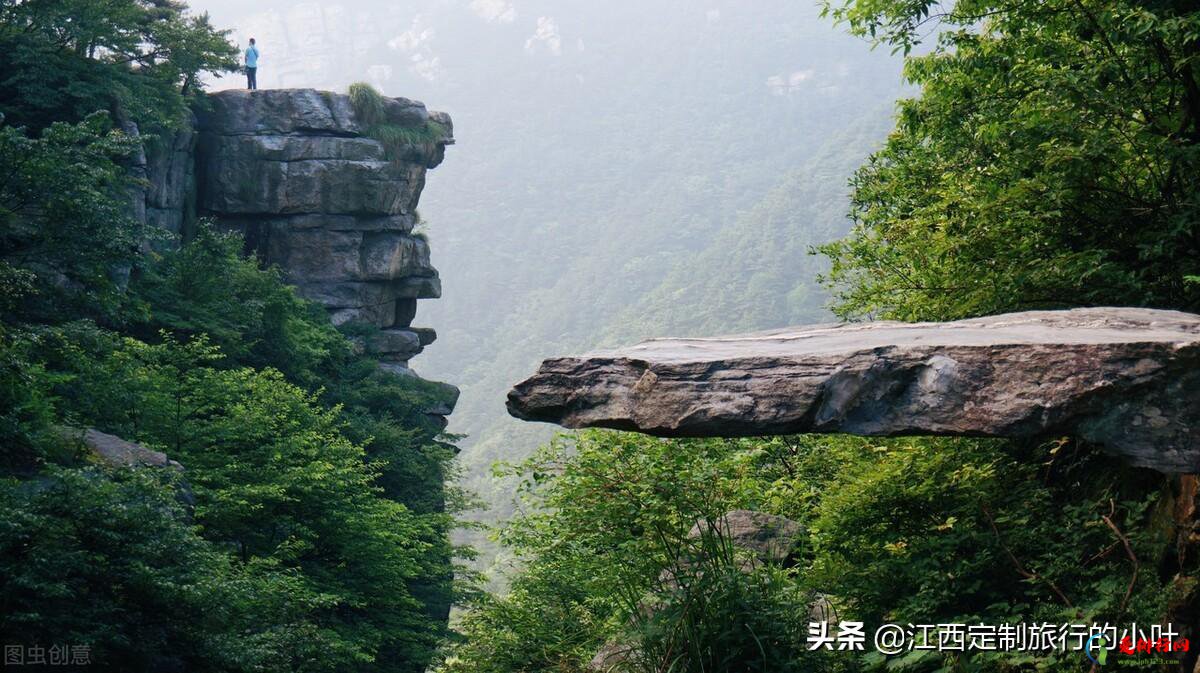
368, 104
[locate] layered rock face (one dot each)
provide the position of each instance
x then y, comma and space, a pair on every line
334, 209
294, 171
165, 172
1126, 378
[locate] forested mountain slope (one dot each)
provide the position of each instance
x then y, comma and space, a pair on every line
755, 272
198, 470
611, 158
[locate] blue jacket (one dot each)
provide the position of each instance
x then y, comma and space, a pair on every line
252, 57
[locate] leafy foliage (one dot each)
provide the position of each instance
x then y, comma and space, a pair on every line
207, 287
107, 558
592, 542
308, 529
367, 103
1050, 161
716, 608
920, 530
274, 480
66, 237
65, 59
27, 412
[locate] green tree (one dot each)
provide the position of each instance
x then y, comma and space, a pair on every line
1050, 160
901, 530
275, 481
318, 536
206, 287
66, 238
602, 516
65, 59
108, 559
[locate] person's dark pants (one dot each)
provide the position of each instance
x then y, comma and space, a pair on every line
251, 78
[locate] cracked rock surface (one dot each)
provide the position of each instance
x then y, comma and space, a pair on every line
1125, 378
294, 170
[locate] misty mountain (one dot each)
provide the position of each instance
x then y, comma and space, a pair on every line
623, 169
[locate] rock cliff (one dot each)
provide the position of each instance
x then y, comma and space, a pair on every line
296, 172
1126, 378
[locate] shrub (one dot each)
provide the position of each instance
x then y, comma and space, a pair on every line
717, 610
106, 558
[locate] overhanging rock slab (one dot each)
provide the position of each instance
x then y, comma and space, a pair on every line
1126, 378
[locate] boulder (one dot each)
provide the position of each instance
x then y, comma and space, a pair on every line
314, 255
121, 453
398, 369
1125, 378
404, 111
772, 538
347, 294
446, 399
394, 345
614, 655
116, 452
426, 335
389, 255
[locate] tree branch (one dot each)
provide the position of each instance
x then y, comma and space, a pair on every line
1031, 576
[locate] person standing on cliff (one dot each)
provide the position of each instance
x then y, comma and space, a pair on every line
252, 66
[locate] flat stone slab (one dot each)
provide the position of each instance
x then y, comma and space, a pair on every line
1125, 378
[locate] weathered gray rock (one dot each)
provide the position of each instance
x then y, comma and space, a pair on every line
405, 112
426, 335
1126, 378
265, 223
372, 303
285, 148
121, 453
395, 345
238, 186
772, 538
398, 369
398, 345
389, 256
171, 168
313, 255
294, 170
163, 168
615, 655
280, 111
